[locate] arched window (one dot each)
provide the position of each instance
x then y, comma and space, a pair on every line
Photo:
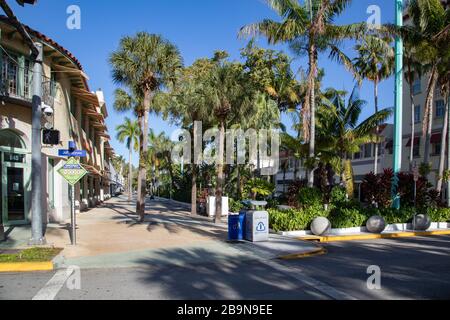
10, 139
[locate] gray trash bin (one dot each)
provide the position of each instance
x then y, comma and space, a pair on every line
256, 222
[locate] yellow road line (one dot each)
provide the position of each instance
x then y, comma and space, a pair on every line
316, 252
26, 266
355, 237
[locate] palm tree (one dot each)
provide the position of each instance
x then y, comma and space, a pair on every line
340, 132
375, 62
430, 33
125, 102
160, 147
186, 104
308, 28
129, 132
145, 64
226, 93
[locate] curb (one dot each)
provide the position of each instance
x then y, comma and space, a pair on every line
408, 234
312, 253
26, 266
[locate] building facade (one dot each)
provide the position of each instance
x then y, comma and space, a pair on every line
79, 115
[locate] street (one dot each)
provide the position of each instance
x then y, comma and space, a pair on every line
411, 268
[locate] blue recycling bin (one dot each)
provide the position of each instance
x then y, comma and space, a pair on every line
236, 227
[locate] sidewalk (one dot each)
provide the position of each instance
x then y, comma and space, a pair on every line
109, 236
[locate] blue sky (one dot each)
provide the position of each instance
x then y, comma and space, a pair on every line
197, 27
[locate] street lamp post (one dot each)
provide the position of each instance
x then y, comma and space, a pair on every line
398, 123
37, 232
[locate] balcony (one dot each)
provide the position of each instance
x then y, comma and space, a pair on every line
16, 79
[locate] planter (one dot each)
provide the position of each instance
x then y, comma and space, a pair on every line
211, 206
345, 231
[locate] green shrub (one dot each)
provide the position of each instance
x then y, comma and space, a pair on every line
347, 217
394, 216
338, 195
273, 203
258, 189
439, 214
235, 206
293, 220
310, 197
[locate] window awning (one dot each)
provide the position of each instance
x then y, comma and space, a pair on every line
436, 138
416, 142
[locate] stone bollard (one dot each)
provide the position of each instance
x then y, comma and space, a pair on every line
422, 222
376, 224
320, 226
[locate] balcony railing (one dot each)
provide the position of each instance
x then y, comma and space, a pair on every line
16, 81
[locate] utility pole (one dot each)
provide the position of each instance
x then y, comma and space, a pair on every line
37, 234
398, 123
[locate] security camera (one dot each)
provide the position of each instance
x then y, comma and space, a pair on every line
48, 111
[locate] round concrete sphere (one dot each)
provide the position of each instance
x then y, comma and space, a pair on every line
376, 224
422, 222
320, 226
284, 208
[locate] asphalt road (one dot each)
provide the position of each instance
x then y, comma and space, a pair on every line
414, 268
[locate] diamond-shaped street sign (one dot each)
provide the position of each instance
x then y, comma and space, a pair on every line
72, 171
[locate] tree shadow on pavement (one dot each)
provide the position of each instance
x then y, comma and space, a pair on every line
410, 267
206, 275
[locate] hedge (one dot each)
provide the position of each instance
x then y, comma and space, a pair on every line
348, 216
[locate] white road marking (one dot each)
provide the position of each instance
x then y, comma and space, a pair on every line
318, 285
53, 286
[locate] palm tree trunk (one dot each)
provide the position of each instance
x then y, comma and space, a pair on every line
219, 186
443, 149
375, 167
141, 152
312, 138
238, 181
194, 178
295, 169
143, 161
130, 176
429, 108
194, 190
413, 118
172, 182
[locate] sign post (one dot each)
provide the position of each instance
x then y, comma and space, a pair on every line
73, 172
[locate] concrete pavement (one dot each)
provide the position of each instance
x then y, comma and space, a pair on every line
173, 256
111, 237
410, 269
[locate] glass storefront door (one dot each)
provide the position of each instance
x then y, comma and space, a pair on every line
14, 191
15, 185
